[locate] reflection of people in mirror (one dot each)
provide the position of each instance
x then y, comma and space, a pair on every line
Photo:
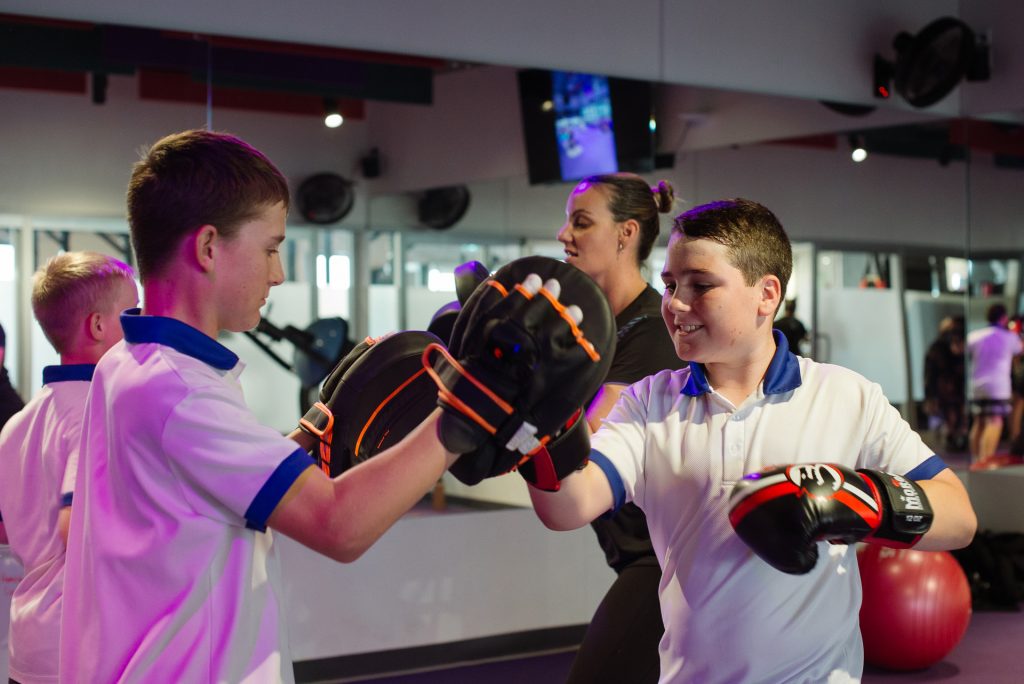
790, 326
1017, 386
944, 382
10, 401
991, 350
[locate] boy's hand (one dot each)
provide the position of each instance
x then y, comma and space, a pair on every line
781, 513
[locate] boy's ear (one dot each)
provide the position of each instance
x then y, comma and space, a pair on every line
204, 243
94, 326
771, 296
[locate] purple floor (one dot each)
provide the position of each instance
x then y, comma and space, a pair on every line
990, 653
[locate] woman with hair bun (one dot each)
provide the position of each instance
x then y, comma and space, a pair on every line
612, 222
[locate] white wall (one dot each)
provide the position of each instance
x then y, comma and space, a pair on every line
802, 48
441, 577
64, 156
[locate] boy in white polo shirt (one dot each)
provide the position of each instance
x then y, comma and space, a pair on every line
678, 443
77, 297
171, 573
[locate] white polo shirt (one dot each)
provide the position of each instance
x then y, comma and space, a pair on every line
676, 447
35, 449
170, 575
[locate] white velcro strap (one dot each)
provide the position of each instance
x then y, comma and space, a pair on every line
524, 440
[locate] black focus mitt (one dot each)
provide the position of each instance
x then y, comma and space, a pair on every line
523, 366
373, 398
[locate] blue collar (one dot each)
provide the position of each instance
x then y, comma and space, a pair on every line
180, 336
783, 374
72, 371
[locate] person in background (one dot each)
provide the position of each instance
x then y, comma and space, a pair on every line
610, 228
945, 391
77, 297
991, 350
791, 327
10, 401
1016, 427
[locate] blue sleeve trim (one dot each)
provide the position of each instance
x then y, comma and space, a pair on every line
65, 499
274, 489
614, 479
927, 469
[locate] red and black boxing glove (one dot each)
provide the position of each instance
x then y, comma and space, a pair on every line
781, 513
565, 453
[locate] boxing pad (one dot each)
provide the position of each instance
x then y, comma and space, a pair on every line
373, 398
541, 365
781, 513
443, 321
468, 277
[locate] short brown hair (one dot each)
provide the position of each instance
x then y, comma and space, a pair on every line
757, 243
72, 285
191, 179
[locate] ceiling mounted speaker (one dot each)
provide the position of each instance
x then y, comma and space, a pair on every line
325, 198
441, 208
930, 64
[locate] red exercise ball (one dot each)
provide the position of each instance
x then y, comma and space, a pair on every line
916, 606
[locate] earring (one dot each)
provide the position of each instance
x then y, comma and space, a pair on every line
620, 246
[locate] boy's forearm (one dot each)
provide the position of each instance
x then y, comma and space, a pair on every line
584, 495
342, 517
955, 522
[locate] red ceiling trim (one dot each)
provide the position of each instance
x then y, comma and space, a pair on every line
43, 79
172, 86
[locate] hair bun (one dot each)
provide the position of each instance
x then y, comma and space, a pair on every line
664, 196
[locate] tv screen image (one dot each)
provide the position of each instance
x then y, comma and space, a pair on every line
583, 124
577, 125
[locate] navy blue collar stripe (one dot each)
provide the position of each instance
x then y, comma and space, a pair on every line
182, 337
72, 371
783, 374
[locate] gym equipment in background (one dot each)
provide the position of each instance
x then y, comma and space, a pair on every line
916, 606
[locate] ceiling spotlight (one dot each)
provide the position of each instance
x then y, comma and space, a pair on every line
858, 152
332, 115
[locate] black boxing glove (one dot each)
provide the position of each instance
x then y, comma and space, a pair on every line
567, 452
373, 398
781, 513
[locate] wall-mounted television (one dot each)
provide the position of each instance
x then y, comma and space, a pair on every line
578, 125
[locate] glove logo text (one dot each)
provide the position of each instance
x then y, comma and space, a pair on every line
816, 479
911, 498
